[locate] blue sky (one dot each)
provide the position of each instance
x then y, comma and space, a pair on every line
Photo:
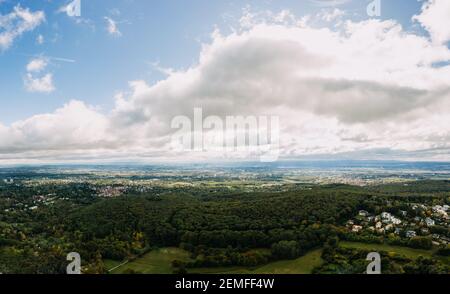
107, 85
169, 32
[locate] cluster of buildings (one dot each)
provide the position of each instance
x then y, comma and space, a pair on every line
417, 222
441, 211
381, 223
8, 181
45, 199
110, 191
34, 203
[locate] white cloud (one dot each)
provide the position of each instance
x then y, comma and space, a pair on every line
43, 84
16, 23
361, 87
35, 81
72, 127
435, 18
40, 39
112, 27
37, 65
332, 15
364, 93
328, 3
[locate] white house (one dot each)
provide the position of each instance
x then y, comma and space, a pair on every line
357, 229
395, 221
410, 234
430, 222
378, 225
386, 215
363, 213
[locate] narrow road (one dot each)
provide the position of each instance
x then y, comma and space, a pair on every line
116, 267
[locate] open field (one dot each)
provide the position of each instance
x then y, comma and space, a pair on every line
301, 265
159, 262
155, 262
405, 251
109, 264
